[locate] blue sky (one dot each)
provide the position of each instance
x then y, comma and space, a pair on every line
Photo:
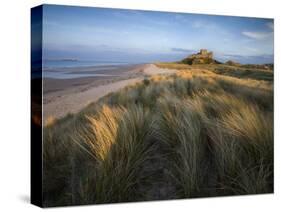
87, 33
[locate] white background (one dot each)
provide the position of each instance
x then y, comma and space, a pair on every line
15, 103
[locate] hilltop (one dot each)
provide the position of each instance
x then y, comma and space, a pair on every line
205, 57
202, 57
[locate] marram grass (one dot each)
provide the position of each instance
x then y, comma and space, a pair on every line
196, 133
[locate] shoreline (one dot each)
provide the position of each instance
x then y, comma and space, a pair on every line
63, 96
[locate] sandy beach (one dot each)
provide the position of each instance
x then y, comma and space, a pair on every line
63, 96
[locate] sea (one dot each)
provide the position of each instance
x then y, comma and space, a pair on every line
69, 69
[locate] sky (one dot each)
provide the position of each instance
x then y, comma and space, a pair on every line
134, 36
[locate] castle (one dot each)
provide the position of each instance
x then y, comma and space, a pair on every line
203, 53
202, 57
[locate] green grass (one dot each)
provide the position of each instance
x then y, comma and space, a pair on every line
241, 71
196, 133
245, 73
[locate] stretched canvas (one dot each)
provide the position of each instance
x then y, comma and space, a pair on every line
131, 105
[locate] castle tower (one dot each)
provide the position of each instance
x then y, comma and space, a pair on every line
203, 51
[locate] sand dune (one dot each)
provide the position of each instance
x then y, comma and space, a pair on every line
152, 69
78, 93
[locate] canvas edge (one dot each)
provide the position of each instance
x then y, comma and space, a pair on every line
36, 188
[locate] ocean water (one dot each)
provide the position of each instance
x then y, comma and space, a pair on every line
69, 69
50, 64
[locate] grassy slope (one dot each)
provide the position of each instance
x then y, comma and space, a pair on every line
200, 132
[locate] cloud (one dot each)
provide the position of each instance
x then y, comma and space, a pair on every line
182, 50
247, 59
257, 35
209, 25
